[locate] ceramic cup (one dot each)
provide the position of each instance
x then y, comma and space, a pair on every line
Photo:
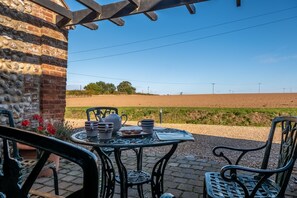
147, 125
91, 128
105, 130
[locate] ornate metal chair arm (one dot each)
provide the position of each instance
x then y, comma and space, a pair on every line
243, 152
84, 158
262, 175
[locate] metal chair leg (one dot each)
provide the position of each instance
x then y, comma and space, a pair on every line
140, 191
55, 174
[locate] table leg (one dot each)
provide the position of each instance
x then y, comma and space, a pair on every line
158, 173
132, 177
107, 175
122, 173
139, 168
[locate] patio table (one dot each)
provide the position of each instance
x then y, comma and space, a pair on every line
127, 178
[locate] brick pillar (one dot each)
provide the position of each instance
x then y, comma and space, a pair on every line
52, 92
53, 78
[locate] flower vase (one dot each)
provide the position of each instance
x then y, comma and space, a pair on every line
27, 152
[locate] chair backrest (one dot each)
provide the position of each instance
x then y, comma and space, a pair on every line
288, 147
100, 112
10, 121
9, 177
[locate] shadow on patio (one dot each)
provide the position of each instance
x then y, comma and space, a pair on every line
184, 173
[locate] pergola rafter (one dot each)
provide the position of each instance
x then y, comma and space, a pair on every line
191, 8
113, 11
151, 15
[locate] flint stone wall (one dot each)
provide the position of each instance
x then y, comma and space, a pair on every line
33, 61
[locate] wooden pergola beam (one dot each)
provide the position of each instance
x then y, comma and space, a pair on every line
117, 21
113, 11
151, 15
91, 26
125, 8
95, 7
191, 8
91, 5
55, 8
135, 2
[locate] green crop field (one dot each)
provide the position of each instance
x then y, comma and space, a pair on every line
197, 115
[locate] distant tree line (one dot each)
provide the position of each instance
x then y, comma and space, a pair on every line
125, 87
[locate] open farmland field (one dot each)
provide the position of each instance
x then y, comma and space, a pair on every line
281, 100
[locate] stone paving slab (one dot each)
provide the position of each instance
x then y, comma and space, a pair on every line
183, 177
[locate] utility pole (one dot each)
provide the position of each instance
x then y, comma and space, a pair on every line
259, 89
213, 86
148, 90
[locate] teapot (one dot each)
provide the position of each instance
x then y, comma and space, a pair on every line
116, 119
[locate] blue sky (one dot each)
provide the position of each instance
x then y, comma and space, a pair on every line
220, 49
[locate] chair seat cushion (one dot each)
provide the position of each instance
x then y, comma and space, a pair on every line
216, 186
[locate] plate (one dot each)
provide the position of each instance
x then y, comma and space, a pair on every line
133, 133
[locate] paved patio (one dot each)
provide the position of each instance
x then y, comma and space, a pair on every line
183, 177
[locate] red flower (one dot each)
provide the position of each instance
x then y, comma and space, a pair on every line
40, 128
45, 128
25, 123
51, 129
38, 117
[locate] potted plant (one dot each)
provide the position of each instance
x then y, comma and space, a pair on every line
60, 130
63, 130
34, 124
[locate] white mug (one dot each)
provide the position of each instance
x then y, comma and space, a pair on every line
147, 125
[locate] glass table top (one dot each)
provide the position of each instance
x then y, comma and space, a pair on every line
135, 138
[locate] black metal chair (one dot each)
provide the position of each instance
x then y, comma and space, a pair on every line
240, 181
27, 164
100, 112
10, 174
